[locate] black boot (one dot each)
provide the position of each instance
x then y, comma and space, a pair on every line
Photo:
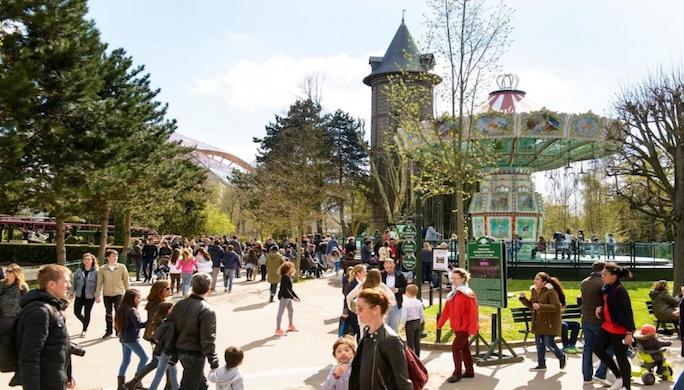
120, 382
134, 383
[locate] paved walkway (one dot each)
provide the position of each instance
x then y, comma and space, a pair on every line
301, 360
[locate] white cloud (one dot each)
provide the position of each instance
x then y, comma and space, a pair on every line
274, 84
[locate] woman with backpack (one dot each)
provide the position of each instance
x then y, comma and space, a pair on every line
380, 361
546, 302
159, 327
83, 286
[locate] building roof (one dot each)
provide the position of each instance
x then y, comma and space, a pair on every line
402, 55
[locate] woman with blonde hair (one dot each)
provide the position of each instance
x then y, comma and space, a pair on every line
12, 288
187, 265
175, 271
83, 286
373, 280
665, 306
356, 276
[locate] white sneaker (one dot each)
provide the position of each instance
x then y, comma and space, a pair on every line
617, 385
601, 381
83, 334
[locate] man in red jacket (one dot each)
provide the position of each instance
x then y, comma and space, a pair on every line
461, 311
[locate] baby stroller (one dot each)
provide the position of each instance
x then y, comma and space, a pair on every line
651, 354
162, 271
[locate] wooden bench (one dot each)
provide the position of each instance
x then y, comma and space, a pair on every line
660, 324
524, 315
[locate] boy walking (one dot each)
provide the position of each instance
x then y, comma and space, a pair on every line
412, 315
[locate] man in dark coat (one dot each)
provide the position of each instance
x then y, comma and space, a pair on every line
397, 282
195, 333
44, 361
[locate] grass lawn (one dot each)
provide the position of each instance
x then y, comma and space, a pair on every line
638, 292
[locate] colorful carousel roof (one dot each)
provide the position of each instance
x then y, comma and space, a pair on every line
521, 135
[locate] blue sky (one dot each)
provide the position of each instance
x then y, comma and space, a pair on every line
227, 67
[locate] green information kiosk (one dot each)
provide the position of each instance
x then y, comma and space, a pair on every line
486, 262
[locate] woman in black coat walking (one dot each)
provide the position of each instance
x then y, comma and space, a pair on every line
618, 325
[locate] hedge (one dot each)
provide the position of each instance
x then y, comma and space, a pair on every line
36, 254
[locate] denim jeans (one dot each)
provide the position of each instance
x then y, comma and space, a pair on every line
572, 327
393, 317
590, 332
193, 371
187, 276
127, 349
542, 342
162, 368
228, 275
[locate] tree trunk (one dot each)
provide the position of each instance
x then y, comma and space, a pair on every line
104, 230
460, 223
59, 239
678, 217
342, 224
127, 221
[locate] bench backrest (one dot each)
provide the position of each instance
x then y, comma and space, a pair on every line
521, 314
571, 312
649, 306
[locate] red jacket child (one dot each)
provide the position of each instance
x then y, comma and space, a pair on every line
461, 311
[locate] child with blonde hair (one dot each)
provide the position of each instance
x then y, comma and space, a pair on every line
344, 350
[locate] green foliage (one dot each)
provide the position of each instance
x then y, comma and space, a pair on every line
81, 132
218, 222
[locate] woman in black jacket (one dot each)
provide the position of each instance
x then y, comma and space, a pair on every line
618, 324
380, 362
128, 324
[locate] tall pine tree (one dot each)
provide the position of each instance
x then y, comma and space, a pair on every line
349, 158
50, 77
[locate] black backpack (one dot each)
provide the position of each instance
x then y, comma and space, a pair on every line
8, 340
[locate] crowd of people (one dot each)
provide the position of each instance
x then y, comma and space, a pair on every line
379, 303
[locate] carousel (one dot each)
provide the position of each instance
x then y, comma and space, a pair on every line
521, 139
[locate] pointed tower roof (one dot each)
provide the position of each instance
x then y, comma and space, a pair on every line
402, 55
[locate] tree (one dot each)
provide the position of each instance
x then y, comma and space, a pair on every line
653, 150
218, 222
296, 155
472, 38
50, 67
349, 157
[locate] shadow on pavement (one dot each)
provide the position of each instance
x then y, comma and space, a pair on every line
318, 378
539, 382
480, 382
331, 321
258, 343
92, 342
254, 306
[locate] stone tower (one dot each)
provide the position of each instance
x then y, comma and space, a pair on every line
401, 58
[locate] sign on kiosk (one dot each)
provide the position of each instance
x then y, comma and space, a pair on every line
487, 267
440, 259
